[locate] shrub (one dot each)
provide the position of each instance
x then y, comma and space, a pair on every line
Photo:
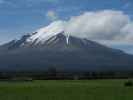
128, 83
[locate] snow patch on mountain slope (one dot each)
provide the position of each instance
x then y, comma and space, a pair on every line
67, 39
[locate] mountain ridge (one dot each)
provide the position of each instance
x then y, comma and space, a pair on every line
53, 48
79, 54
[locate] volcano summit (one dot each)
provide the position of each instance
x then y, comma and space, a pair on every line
52, 47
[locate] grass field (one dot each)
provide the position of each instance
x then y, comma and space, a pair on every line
66, 90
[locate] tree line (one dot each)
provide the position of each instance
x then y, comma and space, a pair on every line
53, 74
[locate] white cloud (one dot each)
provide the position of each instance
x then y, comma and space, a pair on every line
100, 25
105, 24
128, 32
51, 15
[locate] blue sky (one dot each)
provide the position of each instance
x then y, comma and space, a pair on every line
18, 17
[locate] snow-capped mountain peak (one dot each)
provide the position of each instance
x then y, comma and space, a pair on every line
47, 32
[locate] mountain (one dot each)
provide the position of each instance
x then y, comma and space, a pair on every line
51, 47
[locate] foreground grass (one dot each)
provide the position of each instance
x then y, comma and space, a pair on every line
66, 90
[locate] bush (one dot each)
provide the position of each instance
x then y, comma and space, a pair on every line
128, 83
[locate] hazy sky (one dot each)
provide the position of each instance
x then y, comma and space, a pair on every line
18, 17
